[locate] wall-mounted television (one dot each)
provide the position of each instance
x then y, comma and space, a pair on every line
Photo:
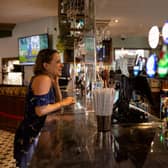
30, 46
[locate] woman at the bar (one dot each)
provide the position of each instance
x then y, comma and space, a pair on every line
43, 97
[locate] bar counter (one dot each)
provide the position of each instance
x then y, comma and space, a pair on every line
70, 139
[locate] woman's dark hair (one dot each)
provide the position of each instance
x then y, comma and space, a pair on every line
44, 56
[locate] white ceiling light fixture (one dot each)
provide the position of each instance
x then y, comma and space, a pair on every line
112, 22
116, 20
153, 37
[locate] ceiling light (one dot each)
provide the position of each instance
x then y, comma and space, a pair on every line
116, 20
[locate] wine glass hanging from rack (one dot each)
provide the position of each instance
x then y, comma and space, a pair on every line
72, 8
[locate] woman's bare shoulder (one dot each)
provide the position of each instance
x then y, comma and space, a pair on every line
42, 77
41, 84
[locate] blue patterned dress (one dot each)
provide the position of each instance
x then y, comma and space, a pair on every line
32, 124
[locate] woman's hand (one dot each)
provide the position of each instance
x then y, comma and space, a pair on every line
67, 101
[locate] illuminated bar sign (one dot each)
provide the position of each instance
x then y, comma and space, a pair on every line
165, 33
153, 37
151, 65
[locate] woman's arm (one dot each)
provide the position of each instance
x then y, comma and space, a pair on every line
43, 110
41, 85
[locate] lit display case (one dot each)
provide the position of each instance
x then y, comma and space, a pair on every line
11, 72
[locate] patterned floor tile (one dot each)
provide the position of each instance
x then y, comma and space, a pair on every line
6, 149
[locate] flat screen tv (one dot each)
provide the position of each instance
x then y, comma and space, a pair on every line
30, 46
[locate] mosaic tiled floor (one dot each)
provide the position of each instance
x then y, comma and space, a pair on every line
6, 149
